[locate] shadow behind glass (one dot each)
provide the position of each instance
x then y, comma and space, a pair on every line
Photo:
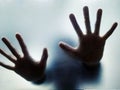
67, 73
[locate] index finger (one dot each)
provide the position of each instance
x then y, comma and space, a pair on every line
110, 31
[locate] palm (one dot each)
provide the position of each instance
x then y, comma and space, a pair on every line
30, 70
25, 66
91, 47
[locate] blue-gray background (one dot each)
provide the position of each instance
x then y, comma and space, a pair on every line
43, 23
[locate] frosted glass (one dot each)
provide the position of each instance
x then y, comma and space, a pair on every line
43, 23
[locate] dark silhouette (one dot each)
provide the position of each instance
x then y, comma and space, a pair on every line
69, 74
65, 72
91, 45
25, 66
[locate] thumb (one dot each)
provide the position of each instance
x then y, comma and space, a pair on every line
67, 48
44, 58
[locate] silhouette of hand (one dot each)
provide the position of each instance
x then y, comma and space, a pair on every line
25, 66
91, 45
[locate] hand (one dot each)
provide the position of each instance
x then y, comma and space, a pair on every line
91, 45
25, 66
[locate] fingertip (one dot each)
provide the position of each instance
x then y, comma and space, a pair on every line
71, 16
18, 35
3, 39
60, 43
45, 49
45, 52
116, 24
100, 11
85, 8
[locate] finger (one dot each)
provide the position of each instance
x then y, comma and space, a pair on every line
87, 21
67, 48
75, 25
6, 66
44, 58
22, 44
11, 48
7, 56
98, 21
110, 31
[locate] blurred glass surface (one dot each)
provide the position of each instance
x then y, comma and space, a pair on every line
43, 23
